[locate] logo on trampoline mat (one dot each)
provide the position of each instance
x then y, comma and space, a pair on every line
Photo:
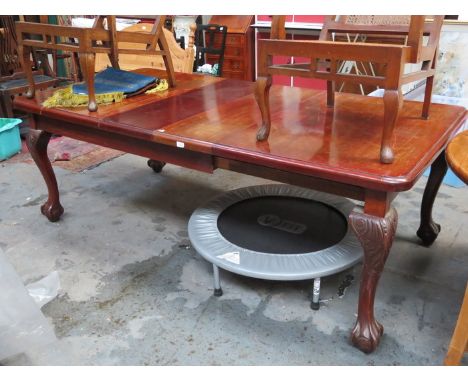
274, 221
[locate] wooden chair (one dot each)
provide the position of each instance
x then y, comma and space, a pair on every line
89, 41
206, 39
182, 59
457, 159
13, 80
421, 36
459, 342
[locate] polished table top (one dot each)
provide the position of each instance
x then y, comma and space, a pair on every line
220, 117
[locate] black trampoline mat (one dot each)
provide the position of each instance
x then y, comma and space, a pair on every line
282, 224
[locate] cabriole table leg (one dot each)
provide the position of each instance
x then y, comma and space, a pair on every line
376, 236
428, 229
37, 142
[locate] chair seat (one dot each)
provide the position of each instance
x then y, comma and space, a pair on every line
21, 82
457, 155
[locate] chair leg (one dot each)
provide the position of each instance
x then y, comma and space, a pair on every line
262, 95
7, 103
427, 97
87, 63
24, 53
77, 73
330, 93
2, 107
164, 46
393, 101
114, 61
459, 342
428, 90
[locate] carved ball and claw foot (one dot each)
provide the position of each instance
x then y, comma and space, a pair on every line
428, 233
376, 236
37, 142
366, 335
156, 165
52, 210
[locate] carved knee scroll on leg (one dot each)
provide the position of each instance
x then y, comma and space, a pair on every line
37, 142
262, 95
428, 229
376, 236
393, 101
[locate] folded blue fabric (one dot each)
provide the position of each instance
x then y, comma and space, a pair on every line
112, 80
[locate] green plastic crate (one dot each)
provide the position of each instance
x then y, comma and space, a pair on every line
10, 141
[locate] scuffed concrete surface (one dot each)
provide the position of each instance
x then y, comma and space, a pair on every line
135, 293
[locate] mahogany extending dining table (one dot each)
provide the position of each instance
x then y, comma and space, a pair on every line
205, 123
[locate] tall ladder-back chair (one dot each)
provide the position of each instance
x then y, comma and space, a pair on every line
210, 39
413, 40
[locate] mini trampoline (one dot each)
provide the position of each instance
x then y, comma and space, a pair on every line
276, 232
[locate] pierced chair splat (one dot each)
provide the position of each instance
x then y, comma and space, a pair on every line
418, 36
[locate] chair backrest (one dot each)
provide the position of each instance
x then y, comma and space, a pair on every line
10, 64
211, 39
100, 38
124, 36
9, 61
182, 59
412, 29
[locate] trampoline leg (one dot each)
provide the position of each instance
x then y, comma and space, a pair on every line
315, 304
217, 286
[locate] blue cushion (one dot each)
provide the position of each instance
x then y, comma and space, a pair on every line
112, 80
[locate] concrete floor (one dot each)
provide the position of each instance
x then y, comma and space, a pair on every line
135, 293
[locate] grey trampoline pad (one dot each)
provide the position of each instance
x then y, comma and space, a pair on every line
292, 225
276, 232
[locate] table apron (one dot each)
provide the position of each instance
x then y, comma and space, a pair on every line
378, 205
153, 150
301, 180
